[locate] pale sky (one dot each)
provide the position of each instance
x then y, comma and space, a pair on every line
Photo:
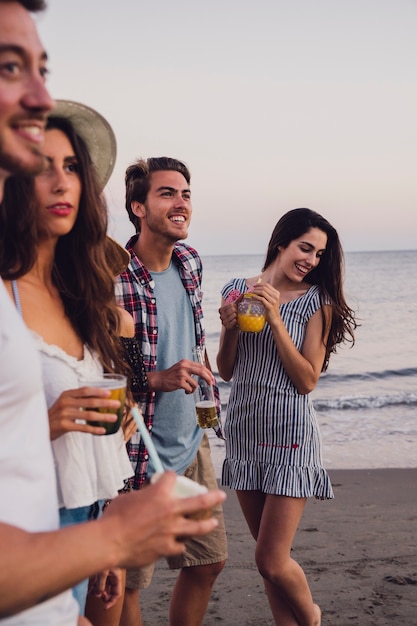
273, 104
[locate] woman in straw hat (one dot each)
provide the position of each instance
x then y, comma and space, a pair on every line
66, 297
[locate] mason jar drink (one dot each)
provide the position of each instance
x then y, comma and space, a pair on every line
250, 314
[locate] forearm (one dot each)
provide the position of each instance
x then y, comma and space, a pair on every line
226, 355
136, 529
300, 371
38, 566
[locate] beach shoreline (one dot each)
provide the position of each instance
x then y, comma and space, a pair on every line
359, 552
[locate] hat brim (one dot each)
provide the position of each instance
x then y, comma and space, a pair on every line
96, 133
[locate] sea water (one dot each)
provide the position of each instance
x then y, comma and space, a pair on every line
366, 403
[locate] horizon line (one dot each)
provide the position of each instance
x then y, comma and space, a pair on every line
345, 252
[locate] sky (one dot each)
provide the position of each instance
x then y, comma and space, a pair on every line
273, 105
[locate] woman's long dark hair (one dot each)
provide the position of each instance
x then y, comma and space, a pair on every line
328, 274
81, 272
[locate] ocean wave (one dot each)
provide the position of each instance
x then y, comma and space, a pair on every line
363, 394
365, 402
347, 402
369, 376
326, 378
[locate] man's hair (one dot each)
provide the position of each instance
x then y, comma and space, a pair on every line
138, 180
33, 6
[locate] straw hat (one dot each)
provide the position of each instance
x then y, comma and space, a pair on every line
96, 132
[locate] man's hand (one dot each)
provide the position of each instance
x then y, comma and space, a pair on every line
179, 376
148, 524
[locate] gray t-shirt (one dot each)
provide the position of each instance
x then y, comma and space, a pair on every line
175, 431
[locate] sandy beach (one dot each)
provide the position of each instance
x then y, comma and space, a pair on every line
359, 552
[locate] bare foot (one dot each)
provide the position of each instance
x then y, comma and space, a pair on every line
317, 613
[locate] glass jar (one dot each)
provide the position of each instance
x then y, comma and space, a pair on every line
250, 314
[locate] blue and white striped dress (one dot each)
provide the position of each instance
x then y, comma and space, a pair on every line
272, 436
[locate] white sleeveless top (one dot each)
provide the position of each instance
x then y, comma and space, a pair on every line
88, 467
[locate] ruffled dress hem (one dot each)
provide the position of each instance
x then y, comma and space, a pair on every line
285, 480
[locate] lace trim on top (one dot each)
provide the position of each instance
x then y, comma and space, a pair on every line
50, 349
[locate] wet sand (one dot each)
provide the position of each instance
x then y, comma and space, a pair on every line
359, 552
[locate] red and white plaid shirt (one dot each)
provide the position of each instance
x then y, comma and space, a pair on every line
134, 292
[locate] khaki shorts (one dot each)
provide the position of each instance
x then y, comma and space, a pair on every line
203, 550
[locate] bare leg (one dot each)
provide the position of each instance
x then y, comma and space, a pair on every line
273, 521
131, 612
252, 508
191, 594
280, 609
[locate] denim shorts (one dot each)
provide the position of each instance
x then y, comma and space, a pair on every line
69, 517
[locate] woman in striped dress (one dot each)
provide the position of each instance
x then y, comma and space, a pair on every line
273, 450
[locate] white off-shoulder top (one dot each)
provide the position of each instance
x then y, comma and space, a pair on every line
88, 467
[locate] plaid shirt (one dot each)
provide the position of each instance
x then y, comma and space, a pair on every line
134, 292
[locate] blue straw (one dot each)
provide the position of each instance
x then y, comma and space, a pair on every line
147, 440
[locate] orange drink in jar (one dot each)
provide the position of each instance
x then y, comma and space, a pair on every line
250, 314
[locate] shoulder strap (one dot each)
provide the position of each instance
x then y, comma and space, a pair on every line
17, 297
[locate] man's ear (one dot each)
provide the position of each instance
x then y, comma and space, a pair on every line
138, 208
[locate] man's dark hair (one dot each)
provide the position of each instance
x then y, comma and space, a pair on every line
138, 180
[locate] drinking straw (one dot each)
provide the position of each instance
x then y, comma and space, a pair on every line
147, 440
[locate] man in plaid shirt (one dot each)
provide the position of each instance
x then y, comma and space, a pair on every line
161, 288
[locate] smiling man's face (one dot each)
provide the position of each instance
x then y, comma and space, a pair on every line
24, 99
167, 210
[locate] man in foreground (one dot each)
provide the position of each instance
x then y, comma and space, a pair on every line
38, 562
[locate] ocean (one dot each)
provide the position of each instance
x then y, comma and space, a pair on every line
366, 402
